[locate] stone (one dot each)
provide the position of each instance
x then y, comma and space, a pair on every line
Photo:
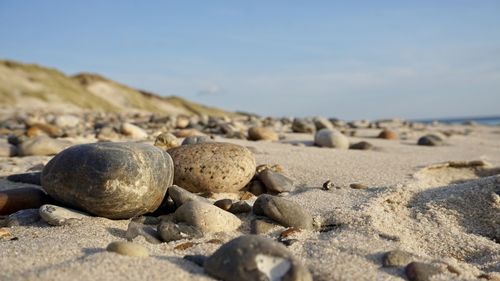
166, 141
275, 168
331, 138
240, 207
261, 226
66, 121
196, 259
362, 145
276, 182
262, 133
253, 257
246, 196
322, 123
196, 139
283, 211
397, 258
170, 231
328, 185
13, 200
42, 129
256, 187
388, 135
206, 217
31, 178
23, 218
7, 149
224, 204
430, 140
56, 215
303, 126
42, 145
133, 131
213, 167
180, 196
358, 186
182, 122
107, 134
127, 249
112, 180
184, 133
419, 271
135, 229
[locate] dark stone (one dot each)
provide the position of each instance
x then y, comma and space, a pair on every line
170, 231
13, 200
283, 211
240, 207
113, 180
430, 140
362, 145
31, 178
224, 204
196, 259
276, 182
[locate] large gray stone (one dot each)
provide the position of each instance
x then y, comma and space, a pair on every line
113, 180
283, 211
254, 257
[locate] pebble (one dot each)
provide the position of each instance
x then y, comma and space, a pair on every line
224, 204
107, 134
180, 196
184, 133
430, 140
331, 138
23, 218
7, 149
261, 226
358, 186
42, 129
276, 182
133, 131
170, 231
283, 211
253, 257
419, 271
240, 207
127, 249
397, 258
31, 178
213, 167
322, 123
256, 187
112, 180
13, 200
362, 145
328, 185
66, 121
166, 141
42, 145
56, 215
262, 133
302, 126
149, 233
206, 217
196, 139
275, 168
388, 135
182, 122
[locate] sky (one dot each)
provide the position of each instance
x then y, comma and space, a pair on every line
345, 59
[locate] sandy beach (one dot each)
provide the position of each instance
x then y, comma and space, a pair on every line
442, 214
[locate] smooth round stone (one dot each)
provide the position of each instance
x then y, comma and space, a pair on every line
362, 145
388, 135
13, 200
206, 217
127, 249
303, 126
133, 131
170, 231
180, 196
262, 133
430, 140
166, 141
213, 167
253, 257
42, 145
331, 138
196, 139
56, 215
283, 211
112, 180
397, 258
276, 182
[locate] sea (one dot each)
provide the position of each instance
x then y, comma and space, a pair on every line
488, 120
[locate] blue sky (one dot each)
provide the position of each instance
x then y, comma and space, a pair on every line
346, 59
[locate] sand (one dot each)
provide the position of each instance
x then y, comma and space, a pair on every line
440, 213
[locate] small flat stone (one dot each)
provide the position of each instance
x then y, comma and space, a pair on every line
419, 271
224, 204
206, 217
362, 145
180, 196
253, 257
240, 207
283, 211
31, 178
397, 258
276, 182
127, 249
56, 215
23, 218
13, 200
170, 231
358, 186
328, 185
